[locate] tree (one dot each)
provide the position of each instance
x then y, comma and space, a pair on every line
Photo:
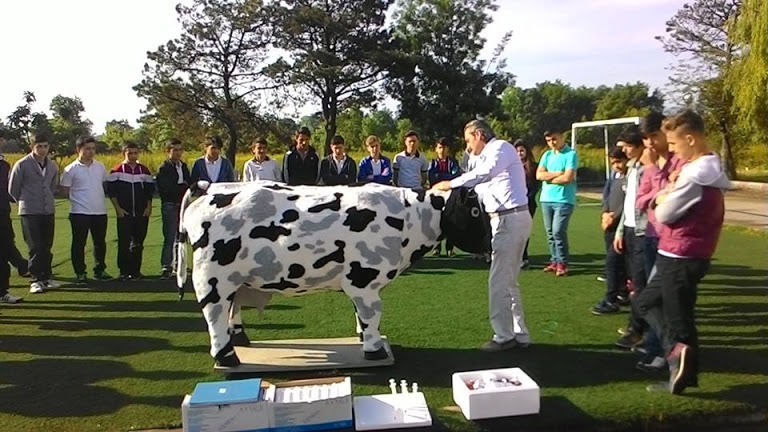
337, 51
628, 100
115, 133
214, 67
164, 119
67, 124
748, 80
699, 32
23, 122
438, 77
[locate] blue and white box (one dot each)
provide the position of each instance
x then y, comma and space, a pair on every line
227, 406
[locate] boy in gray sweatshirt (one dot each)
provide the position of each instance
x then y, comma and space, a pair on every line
32, 184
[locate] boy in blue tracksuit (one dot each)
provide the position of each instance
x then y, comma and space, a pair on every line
375, 168
443, 167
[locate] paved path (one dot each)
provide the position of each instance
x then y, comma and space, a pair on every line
744, 208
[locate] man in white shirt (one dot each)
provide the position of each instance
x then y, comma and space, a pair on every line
83, 180
261, 167
499, 179
410, 166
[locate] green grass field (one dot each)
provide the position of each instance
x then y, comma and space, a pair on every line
120, 356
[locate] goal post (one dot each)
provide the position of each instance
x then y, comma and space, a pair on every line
604, 124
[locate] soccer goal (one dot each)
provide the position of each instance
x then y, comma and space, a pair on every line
604, 124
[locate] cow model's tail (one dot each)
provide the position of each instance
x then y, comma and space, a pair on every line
181, 245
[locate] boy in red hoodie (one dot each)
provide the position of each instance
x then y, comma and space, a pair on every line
690, 214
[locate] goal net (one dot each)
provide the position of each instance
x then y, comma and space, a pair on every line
604, 125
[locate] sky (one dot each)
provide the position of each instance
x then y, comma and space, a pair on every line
96, 49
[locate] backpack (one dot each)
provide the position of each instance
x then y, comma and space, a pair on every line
465, 223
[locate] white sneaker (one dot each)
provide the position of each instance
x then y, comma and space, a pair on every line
37, 287
10, 299
52, 284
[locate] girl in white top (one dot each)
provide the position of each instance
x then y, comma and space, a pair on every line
261, 167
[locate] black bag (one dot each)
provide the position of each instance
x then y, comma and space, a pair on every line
465, 223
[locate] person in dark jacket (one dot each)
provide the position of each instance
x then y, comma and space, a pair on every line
212, 167
613, 207
9, 254
173, 180
338, 168
130, 187
533, 185
443, 167
301, 164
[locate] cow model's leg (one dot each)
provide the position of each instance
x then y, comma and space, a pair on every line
236, 328
358, 327
215, 297
368, 306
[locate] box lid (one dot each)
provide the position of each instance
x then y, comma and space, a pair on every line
226, 392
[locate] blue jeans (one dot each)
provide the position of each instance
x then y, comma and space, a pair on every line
170, 215
556, 218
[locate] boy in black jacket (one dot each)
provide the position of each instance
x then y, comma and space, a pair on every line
338, 168
9, 254
613, 206
301, 163
130, 187
173, 180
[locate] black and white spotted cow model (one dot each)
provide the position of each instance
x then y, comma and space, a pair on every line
293, 240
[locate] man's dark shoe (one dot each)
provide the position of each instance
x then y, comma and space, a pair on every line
123, 278
651, 364
493, 346
623, 299
681, 362
81, 279
604, 308
165, 274
629, 340
102, 276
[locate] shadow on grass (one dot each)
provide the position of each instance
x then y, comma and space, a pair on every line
554, 413
169, 306
84, 346
738, 271
173, 324
29, 384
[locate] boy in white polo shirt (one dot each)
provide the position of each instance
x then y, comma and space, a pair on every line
83, 180
410, 167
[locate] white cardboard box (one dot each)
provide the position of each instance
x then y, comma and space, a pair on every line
496, 402
326, 414
391, 411
252, 417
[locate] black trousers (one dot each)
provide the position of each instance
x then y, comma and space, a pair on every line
8, 242
97, 226
532, 211
6, 245
38, 231
668, 302
131, 232
615, 269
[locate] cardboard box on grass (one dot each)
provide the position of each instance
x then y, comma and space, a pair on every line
496, 402
325, 414
227, 406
